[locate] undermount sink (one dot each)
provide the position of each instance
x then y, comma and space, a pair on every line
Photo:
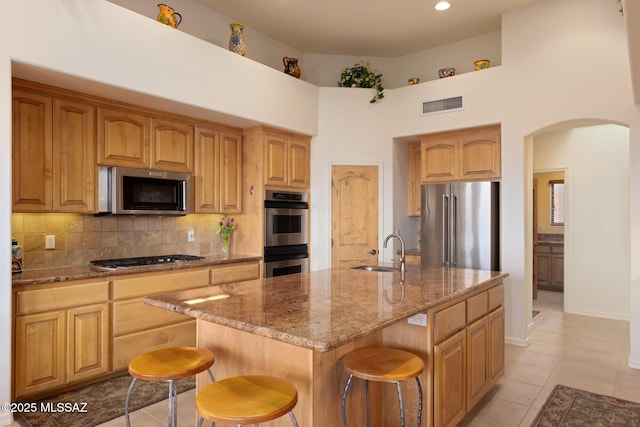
377, 268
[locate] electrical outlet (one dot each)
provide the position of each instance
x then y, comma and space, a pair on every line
191, 235
419, 319
50, 241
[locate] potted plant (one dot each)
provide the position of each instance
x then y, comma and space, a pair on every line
360, 75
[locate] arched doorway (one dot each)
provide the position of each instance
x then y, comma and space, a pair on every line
595, 158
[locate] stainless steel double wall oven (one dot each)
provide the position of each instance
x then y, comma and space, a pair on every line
286, 238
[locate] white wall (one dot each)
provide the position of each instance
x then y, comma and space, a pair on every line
596, 164
213, 27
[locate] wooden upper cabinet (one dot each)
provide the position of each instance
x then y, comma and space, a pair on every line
299, 160
275, 155
230, 172
287, 161
171, 145
480, 154
218, 171
53, 153
123, 138
469, 155
135, 139
414, 178
439, 160
207, 170
32, 152
74, 159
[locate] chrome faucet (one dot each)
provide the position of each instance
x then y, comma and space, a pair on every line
403, 267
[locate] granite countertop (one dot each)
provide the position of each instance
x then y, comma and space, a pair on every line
62, 274
325, 309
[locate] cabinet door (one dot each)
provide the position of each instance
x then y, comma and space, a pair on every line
230, 173
496, 346
74, 146
275, 157
543, 265
171, 145
477, 364
87, 341
440, 160
414, 179
556, 275
39, 353
449, 380
32, 151
299, 159
123, 138
480, 154
207, 170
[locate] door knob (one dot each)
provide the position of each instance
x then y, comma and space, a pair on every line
373, 251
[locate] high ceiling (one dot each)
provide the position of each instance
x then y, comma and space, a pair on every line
366, 27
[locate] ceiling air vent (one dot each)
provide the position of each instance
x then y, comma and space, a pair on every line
442, 105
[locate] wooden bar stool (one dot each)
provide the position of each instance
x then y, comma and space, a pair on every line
385, 365
169, 364
246, 399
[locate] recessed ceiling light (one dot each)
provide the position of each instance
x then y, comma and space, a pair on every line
443, 5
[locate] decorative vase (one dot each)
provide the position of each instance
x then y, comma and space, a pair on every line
224, 237
446, 72
291, 66
481, 64
168, 16
236, 40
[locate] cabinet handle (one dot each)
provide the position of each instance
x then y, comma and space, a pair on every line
373, 251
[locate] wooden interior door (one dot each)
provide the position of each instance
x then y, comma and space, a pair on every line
354, 215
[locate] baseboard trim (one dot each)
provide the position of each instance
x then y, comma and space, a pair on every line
517, 342
634, 364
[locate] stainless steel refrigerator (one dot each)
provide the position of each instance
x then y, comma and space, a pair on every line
460, 225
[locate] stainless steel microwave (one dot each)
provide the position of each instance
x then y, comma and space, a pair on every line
130, 191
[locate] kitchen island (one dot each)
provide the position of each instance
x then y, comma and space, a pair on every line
299, 326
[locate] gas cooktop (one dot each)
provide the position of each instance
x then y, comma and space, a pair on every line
112, 264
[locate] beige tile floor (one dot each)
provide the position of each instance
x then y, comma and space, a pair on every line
577, 351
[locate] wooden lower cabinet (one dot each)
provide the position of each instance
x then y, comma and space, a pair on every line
87, 341
449, 373
468, 359
477, 354
61, 336
550, 266
39, 351
127, 347
66, 335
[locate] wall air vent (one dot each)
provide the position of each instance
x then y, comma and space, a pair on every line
442, 105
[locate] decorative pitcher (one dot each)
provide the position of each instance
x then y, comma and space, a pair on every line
168, 16
236, 40
291, 66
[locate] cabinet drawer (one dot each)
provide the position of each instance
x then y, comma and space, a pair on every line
51, 298
134, 315
235, 273
496, 297
477, 306
128, 347
148, 284
448, 321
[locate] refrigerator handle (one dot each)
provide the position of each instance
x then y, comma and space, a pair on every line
445, 229
454, 236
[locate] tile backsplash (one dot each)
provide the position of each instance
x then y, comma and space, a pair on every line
82, 238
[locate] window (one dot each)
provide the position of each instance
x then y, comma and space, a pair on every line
557, 202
